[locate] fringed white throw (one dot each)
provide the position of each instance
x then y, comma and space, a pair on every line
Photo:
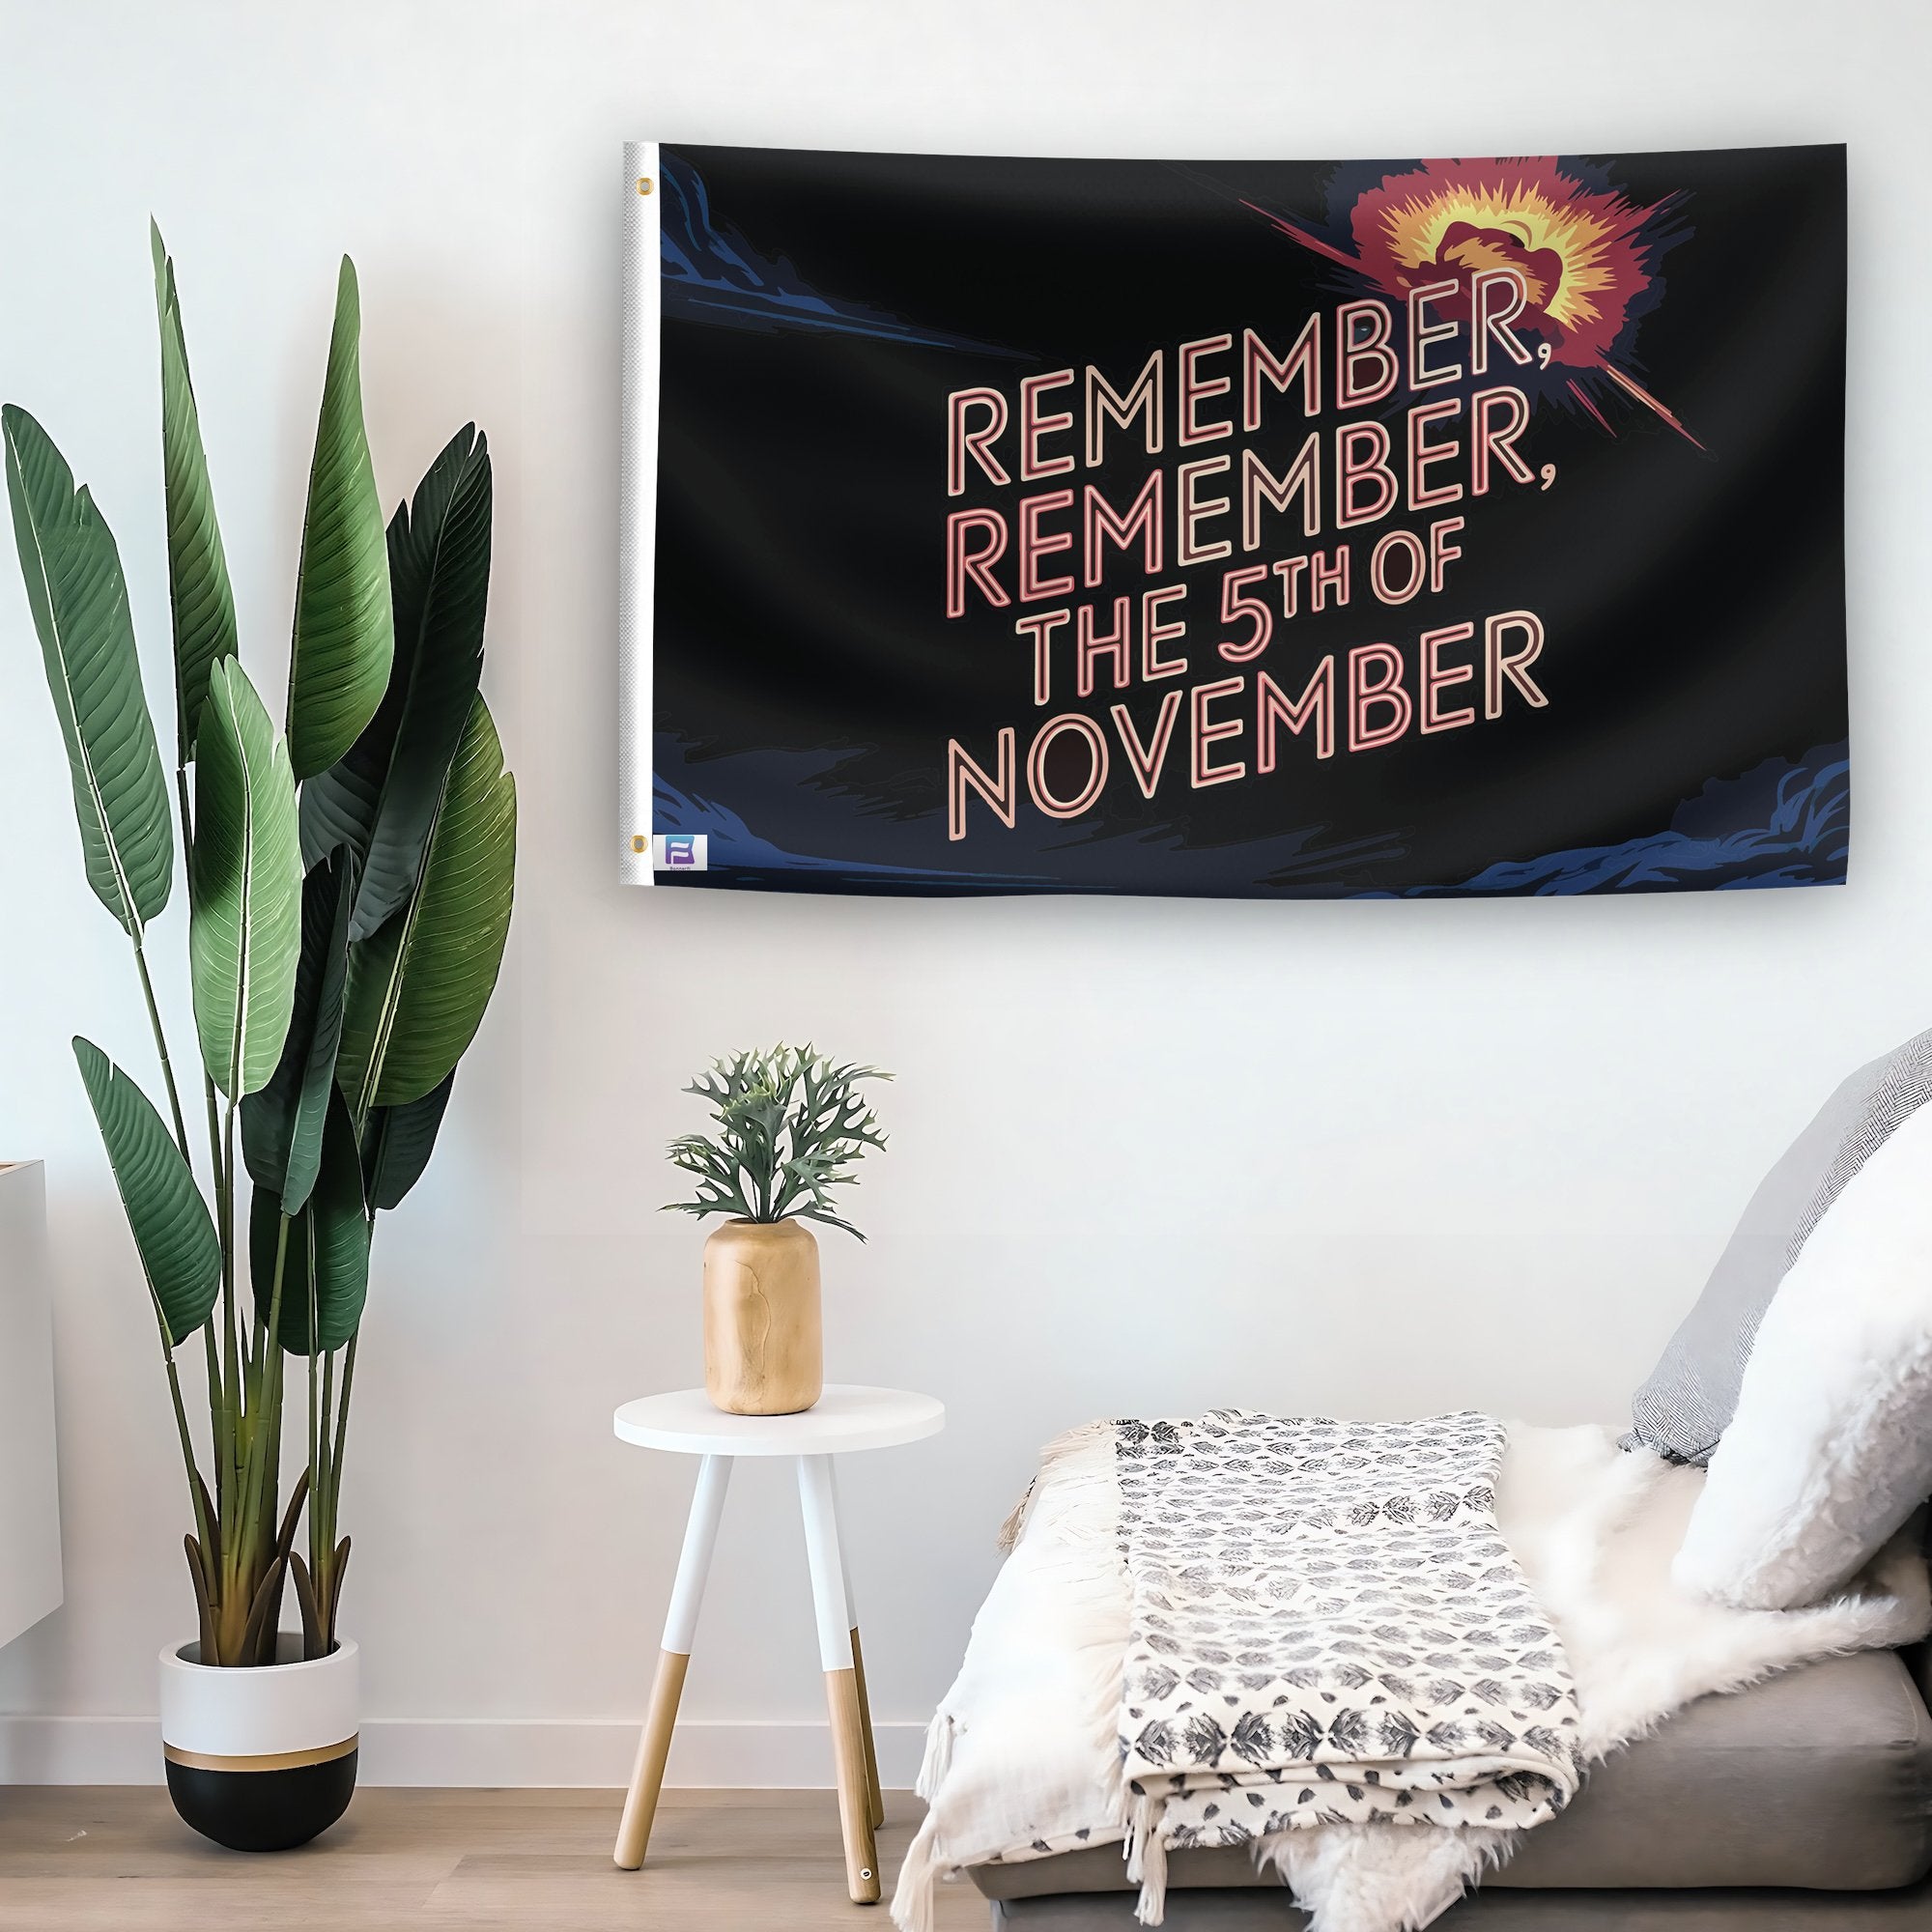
1023, 1757
1326, 1627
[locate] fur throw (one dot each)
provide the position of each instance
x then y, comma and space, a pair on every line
1023, 1757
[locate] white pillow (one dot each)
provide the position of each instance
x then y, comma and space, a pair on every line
1830, 1449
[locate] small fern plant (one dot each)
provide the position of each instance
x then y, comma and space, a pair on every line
791, 1125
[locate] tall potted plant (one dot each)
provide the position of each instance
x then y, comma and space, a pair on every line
790, 1126
349, 882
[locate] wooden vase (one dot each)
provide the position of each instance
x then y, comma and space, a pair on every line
764, 1348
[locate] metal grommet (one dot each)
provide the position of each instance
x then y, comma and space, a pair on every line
643, 184
638, 842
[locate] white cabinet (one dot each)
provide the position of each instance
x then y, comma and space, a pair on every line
30, 1558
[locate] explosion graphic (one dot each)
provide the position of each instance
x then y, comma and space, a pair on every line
1584, 252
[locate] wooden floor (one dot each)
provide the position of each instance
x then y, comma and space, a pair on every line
75, 1859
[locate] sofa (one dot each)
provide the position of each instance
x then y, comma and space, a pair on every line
1802, 1804
1800, 1382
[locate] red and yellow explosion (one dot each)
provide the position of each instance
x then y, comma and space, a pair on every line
1579, 252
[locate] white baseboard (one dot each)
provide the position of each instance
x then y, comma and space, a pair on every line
479, 1752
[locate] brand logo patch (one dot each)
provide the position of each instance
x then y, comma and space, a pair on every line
680, 852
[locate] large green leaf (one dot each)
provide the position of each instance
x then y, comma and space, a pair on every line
325, 1264
380, 799
281, 1125
418, 987
398, 1142
79, 601
173, 1234
244, 887
344, 636
198, 589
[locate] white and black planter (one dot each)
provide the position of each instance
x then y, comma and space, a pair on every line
261, 1760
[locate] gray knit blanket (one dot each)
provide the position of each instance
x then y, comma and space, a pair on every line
1326, 1626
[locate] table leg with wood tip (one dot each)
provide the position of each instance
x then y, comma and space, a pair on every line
693, 1564
850, 1732
875, 1797
859, 1669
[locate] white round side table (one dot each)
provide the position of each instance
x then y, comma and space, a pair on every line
845, 1418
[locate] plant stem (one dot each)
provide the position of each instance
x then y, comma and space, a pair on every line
231, 1359
233, 1415
315, 1434
185, 810
161, 1047
190, 1466
265, 1433
323, 1527
243, 1567
221, 1433
321, 1520
341, 1425
194, 1486
217, 1435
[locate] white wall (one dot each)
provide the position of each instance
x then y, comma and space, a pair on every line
1147, 1156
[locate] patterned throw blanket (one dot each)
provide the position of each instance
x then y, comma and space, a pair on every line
1326, 1627
1023, 1758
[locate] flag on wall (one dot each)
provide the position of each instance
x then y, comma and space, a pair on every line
1274, 529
